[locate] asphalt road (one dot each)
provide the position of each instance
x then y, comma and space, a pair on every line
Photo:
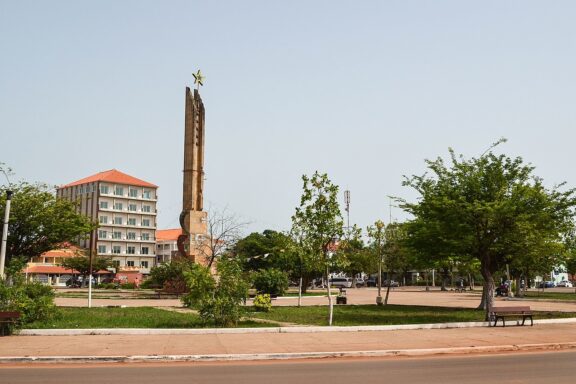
557, 367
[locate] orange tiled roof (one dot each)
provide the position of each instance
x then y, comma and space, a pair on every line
56, 269
168, 234
112, 176
66, 251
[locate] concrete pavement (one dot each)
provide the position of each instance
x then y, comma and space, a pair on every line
256, 344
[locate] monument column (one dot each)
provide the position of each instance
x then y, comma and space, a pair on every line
193, 219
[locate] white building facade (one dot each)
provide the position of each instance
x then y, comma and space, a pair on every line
125, 209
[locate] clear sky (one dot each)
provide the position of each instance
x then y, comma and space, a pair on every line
362, 90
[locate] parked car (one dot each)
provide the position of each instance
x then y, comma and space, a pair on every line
547, 284
391, 283
360, 282
565, 284
341, 282
372, 282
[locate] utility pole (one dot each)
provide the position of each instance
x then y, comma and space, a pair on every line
5, 233
347, 202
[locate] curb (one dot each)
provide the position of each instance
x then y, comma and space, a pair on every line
289, 356
208, 331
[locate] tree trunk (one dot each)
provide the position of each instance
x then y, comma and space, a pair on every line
487, 290
387, 294
330, 305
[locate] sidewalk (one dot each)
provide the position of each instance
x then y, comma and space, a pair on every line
291, 343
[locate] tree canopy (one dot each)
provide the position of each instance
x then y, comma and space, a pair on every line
491, 208
39, 221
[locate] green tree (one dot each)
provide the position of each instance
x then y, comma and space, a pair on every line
271, 281
269, 249
316, 224
218, 300
39, 221
488, 208
171, 276
358, 257
81, 264
377, 236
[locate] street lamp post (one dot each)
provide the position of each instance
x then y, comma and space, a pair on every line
5, 233
328, 252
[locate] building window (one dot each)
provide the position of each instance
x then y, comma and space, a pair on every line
101, 249
131, 235
144, 264
116, 249
119, 191
118, 206
104, 189
103, 219
144, 250
133, 192
130, 263
117, 235
131, 250
103, 205
132, 207
118, 220
145, 208
146, 194
145, 236
102, 234
131, 221
145, 222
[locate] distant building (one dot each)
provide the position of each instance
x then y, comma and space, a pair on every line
125, 208
166, 244
46, 268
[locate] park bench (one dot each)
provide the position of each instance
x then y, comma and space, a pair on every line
496, 313
6, 320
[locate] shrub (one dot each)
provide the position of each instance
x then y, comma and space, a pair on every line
219, 301
170, 276
107, 286
262, 303
128, 286
270, 281
33, 300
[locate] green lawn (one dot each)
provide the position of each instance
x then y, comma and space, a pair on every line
347, 315
547, 295
140, 317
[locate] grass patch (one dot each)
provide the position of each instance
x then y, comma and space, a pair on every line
349, 315
539, 295
139, 317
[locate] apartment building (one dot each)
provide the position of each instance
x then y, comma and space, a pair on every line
166, 244
125, 208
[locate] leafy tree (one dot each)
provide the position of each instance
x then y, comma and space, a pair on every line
271, 281
269, 249
358, 257
316, 224
218, 300
489, 208
171, 276
81, 263
396, 254
39, 221
377, 236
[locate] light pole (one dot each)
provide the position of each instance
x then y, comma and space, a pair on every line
5, 233
329, 249
379, 227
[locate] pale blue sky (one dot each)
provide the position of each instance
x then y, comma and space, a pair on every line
362, 90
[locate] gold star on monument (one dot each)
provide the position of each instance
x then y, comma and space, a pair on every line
198, 79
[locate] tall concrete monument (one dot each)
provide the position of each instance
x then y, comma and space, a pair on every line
193, 219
